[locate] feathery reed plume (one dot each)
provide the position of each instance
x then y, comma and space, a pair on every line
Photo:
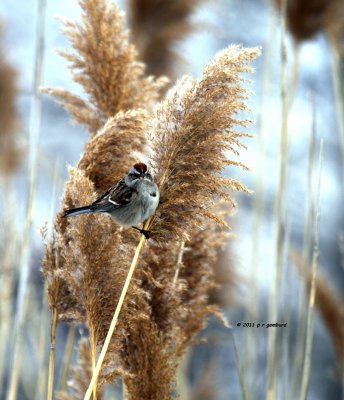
195, 120
306, 18
86, 284
9, 150
105, 65
103, 162
156, 26
334, 23
167, 301
73, 256
172, 312
110, 153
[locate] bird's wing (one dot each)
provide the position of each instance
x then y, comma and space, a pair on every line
118, 195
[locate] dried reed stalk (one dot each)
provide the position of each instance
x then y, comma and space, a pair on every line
26, 248
312, 295
81, 375
52, 354
306, 253
280, 210
68, 353
328, 304
156, 27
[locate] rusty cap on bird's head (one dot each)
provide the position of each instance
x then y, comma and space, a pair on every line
140, 167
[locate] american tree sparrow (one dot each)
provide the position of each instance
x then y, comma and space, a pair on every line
130, 201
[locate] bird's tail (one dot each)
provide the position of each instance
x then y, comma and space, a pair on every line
78, 211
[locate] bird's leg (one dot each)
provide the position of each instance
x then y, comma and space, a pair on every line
143, 232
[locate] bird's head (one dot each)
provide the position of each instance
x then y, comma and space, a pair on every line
139, 171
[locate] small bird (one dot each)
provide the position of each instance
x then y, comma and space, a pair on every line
129, 202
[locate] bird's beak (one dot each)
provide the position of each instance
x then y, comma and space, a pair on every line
142, 176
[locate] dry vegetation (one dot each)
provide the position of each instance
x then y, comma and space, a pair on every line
9, 150
188, 136
307, 18
157, 26
87, 259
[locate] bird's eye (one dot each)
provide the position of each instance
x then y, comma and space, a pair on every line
153, 194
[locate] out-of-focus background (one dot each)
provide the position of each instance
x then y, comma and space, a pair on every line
310, 113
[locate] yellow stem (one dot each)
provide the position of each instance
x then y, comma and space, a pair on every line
116, 314
52, 354
67, 357
310, 318
179, 262
94, 358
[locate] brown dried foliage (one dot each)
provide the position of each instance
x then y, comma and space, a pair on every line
329, 305
105, 64
306, 18
175, 310
192, 131
331, 309
107, 157
157, 26
86, 263
110, 153
9, 150
177, 278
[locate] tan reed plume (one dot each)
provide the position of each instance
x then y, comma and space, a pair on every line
87, 261
306, 18
105, 64
10, 153
156, 27
96, 71
196, 119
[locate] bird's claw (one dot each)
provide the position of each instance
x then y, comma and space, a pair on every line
144, 232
